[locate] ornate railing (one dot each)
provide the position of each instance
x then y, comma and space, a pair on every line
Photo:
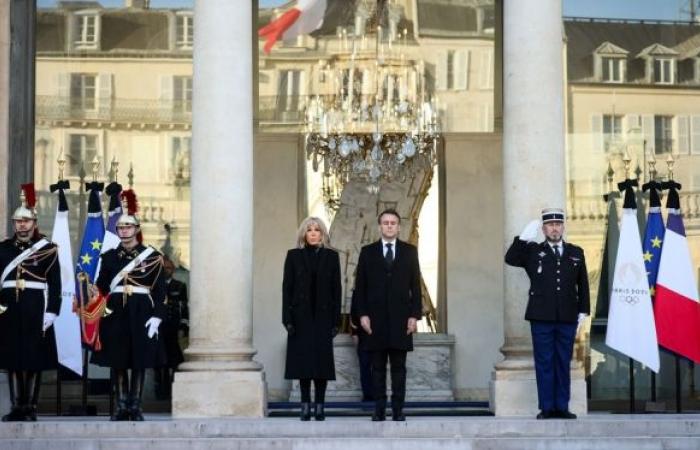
50, 107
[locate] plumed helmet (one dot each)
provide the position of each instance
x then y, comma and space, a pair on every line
27, 198
129, 208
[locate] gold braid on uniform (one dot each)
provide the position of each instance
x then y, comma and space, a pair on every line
141, 272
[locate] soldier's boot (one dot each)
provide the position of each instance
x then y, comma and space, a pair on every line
121, 391
33, 385
137, 379
15, 382
305, 413
397, 414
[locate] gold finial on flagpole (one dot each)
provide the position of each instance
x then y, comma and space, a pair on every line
652, 167
115, 168
61, 164
95, 167
130, 175
611, 176
670, 162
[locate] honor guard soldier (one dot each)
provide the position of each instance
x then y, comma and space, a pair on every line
176, 320
30, 300
557, 304
132, 280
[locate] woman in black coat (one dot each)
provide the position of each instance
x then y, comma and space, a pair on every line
311, 293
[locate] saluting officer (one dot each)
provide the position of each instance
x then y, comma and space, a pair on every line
30, 300
132, 279
557, 304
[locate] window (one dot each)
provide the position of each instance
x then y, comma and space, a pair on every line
179, 164
83, 92
663, 70
182, 93
612, 131
184, 31
663, 134
289, 90
613, 69
87, 30
82, 149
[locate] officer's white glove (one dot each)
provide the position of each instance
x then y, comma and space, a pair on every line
152, 324
49, 319
581, 318
529, 233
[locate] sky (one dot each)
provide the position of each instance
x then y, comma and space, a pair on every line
617, 9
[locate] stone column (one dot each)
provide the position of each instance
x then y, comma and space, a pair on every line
534, 178
220, 377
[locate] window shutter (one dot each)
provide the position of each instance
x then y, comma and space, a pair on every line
680, 128
623, 69
598, 67
166, 87
695, 135
303, 89
597, 133
104, 93
648, 132
486, 70
441, 71
367, 82
461, 70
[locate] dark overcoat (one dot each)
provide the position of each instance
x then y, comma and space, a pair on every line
313, 309
388, 295
558, 292
125, 342
23, 344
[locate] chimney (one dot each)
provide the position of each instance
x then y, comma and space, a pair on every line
136, 4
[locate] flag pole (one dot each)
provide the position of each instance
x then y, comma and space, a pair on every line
627, 160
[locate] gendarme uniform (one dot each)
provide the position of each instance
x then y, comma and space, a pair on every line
133, 299
558, 293
31, 287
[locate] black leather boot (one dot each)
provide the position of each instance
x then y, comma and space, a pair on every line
121, 389
15, 383
33, 385
137, 379
305, 414
397, 414
319, 412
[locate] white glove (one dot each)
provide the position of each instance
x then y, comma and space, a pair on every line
152, 324
581, 318
529, 233
49, 319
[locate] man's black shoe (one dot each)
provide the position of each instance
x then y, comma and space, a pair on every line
398, 416
565, 414
545, 415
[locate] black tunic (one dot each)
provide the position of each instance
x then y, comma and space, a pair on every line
125, 343
311, 293
23, 345
558, 292
175, 313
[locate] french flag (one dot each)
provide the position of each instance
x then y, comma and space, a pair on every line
676, 305
305, 17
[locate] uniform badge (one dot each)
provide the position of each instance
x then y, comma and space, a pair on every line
542, 255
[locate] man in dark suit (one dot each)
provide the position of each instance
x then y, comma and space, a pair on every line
558, 302
388, 296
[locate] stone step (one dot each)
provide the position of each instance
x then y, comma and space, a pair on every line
161, 432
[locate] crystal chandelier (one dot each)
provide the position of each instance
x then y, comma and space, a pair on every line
371, 118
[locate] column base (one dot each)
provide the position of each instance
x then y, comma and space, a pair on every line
219, 393
514, 393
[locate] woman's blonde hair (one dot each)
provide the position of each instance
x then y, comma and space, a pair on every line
301, 232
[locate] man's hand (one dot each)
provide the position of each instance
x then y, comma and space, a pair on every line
529, 233
581, 318
411, 326
49, 319
364, 323
152, 324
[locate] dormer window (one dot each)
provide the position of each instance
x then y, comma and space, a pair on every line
613, 69
610, 63
663, 71
184, 31
660, 64
87, 30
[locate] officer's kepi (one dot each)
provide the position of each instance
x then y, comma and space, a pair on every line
552, 215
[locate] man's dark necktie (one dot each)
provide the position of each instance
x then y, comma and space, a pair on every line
389, 256
556, 251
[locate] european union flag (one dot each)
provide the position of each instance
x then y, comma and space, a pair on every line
653, 236
89, 256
